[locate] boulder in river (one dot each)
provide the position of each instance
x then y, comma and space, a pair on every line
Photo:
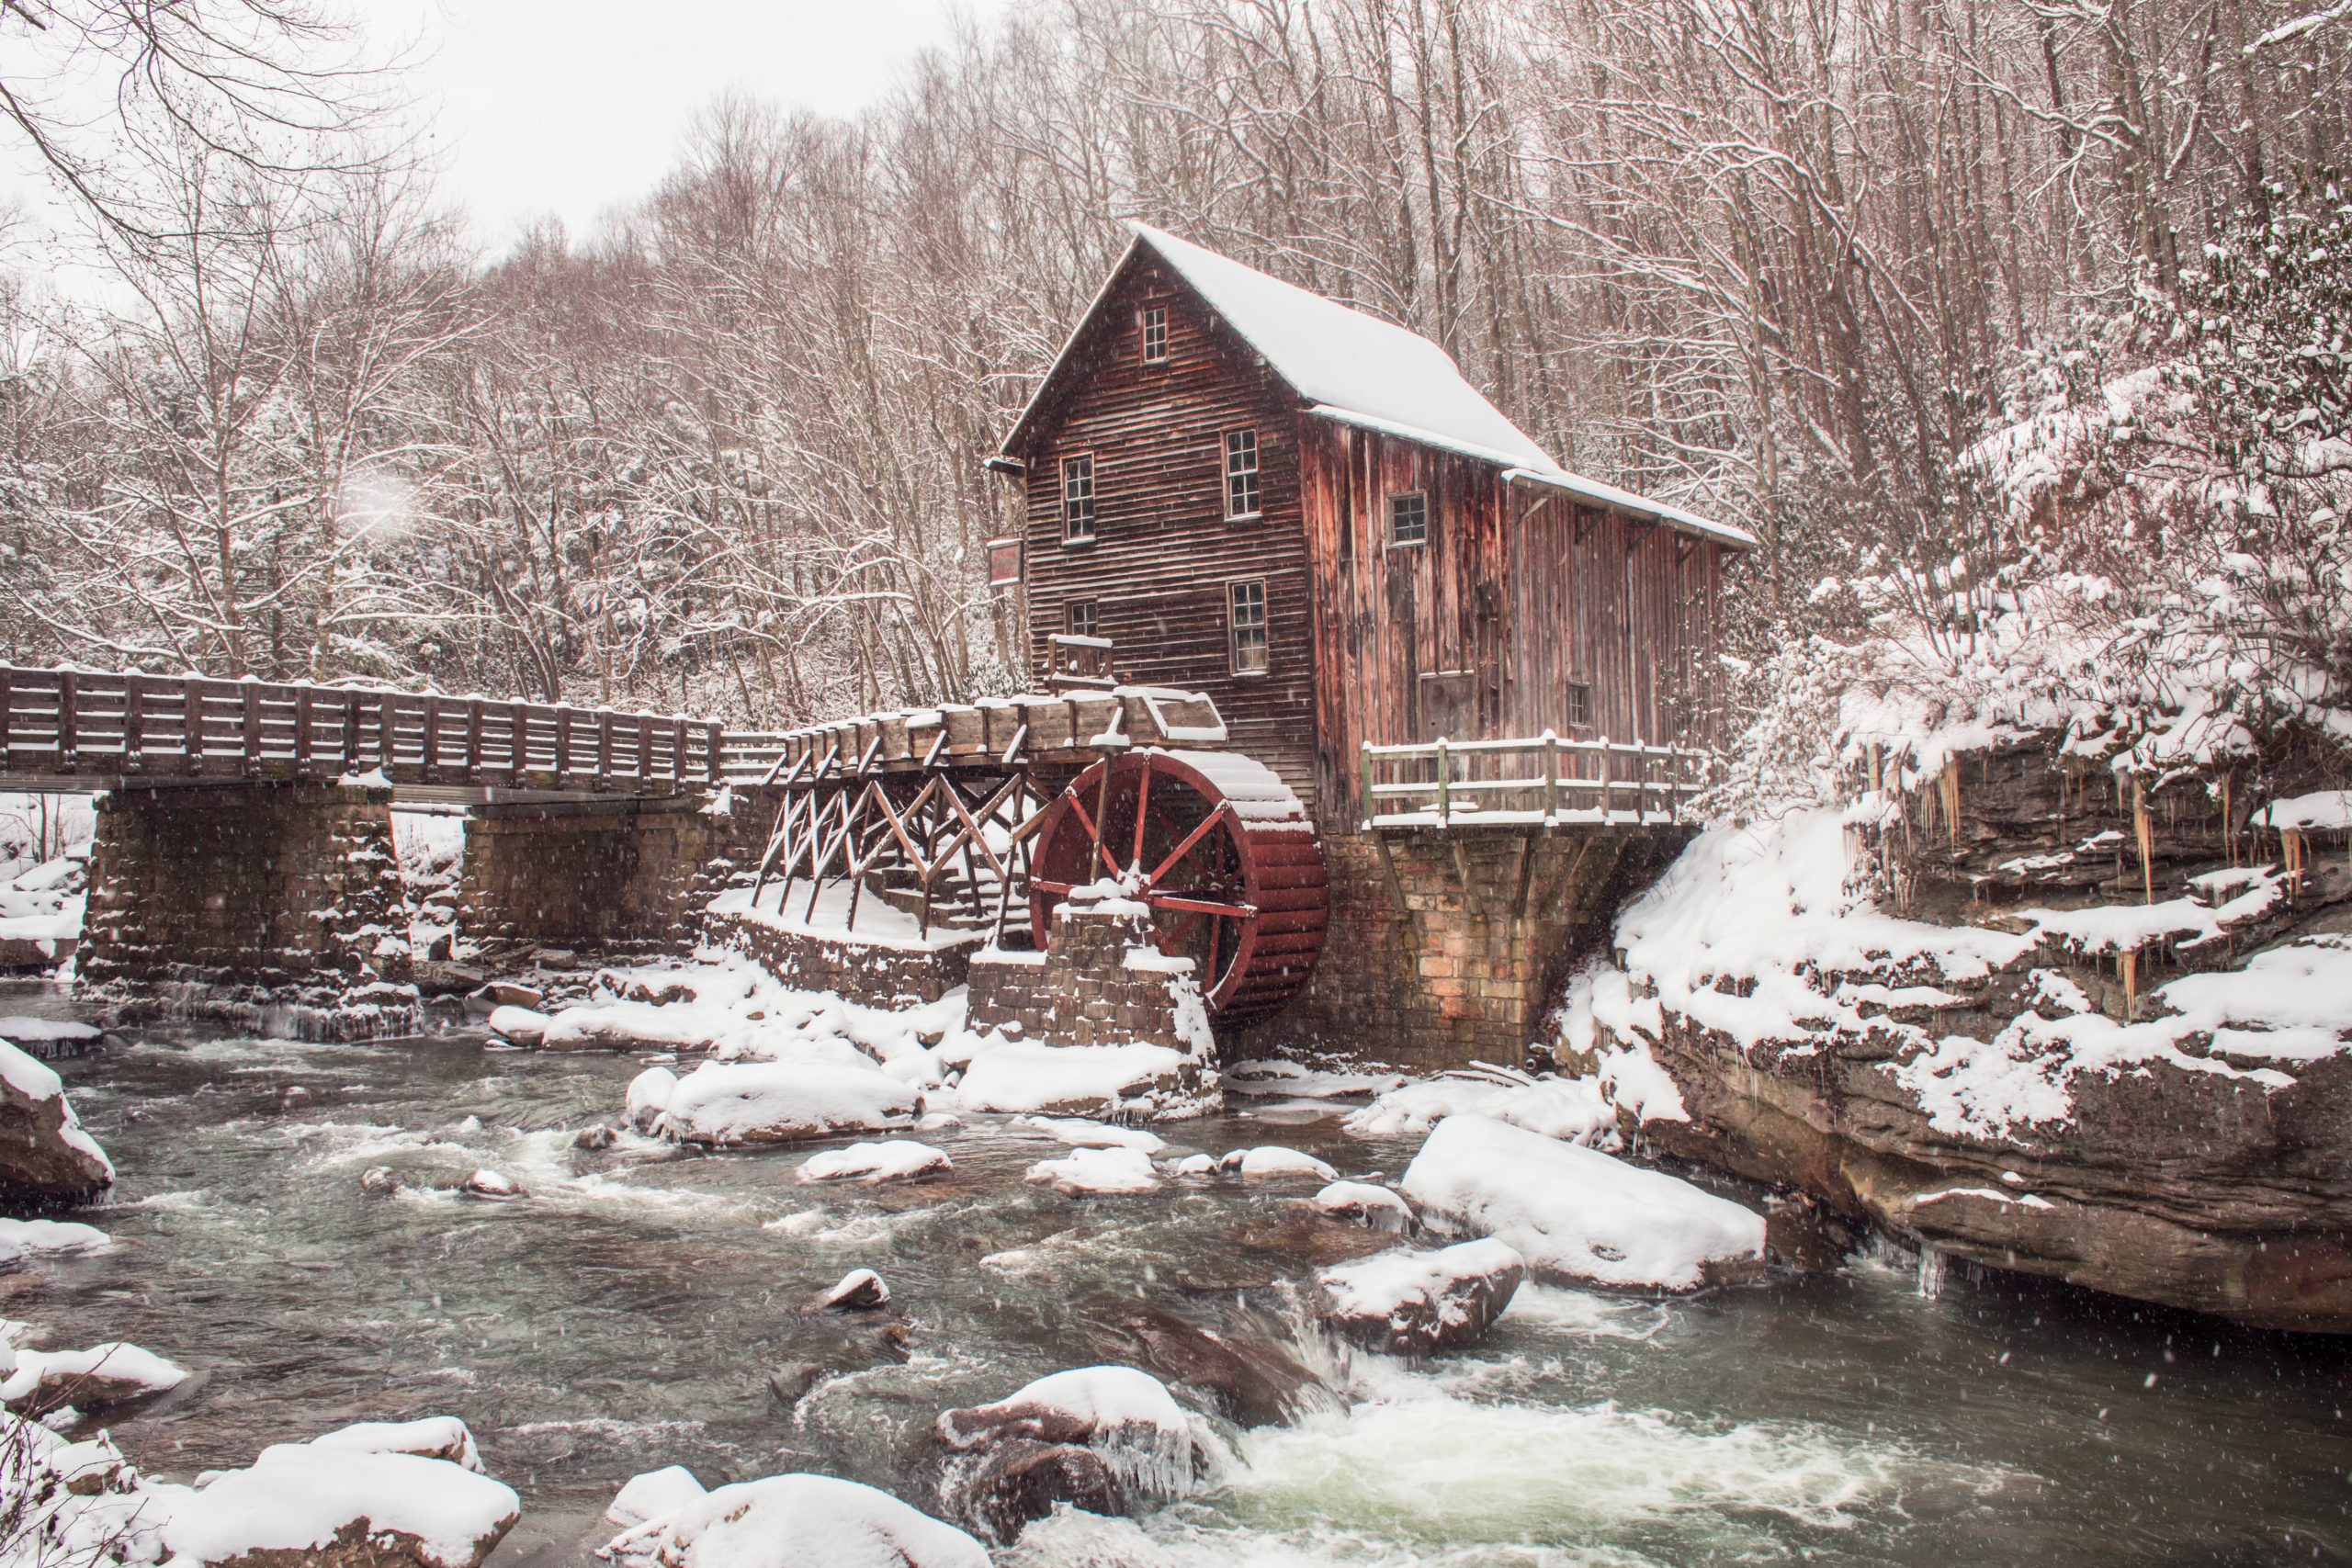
1365, 1203
1244, 1376
1413, 1304
307, 1506
1576, 1214
796, 1521
727, 1103
861, 1290
1103, 1440
44, 1154
102, 1377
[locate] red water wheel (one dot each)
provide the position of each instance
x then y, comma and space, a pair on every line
1221, 852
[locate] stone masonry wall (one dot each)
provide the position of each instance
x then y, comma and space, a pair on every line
1469, 973
276, 907
871, 973
1101, 983
601, 874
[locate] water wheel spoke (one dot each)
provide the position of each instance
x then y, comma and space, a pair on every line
1190, 840
1200, 906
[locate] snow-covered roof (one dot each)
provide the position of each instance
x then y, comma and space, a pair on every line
1358, 369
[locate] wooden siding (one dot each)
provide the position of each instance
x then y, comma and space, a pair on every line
1478, 633
1164, 551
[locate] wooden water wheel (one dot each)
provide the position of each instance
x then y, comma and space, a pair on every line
1217, 847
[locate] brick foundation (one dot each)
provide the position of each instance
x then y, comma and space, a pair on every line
1468, 974
1102, 983
275, 907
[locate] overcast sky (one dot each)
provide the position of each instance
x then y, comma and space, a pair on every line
568, 106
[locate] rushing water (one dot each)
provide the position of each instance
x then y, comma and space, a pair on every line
629, 1313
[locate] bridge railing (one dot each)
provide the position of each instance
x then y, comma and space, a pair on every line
1545, 781
77, 723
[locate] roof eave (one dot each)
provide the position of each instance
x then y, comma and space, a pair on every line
1595, 493
1012, 444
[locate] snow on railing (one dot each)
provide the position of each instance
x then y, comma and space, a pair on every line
1544, 781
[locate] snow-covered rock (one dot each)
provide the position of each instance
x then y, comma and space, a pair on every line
860, 1290
1366, 1203
653, 1494
890, 1159
1411, 1303
1081, 1132
1079, 1080
67, 1504
343, 1508
491, 1186
429, 1436
25, 1238
44, 1154
796, 1521
1557, 1107
50, 1037
1575, 1213
521, 1024
725, 1103
103, 1375
1110, 1170
1102, 1439
1271, 1162
1196, 1166
647, 1097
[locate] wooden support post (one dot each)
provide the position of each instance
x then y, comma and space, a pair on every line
1607, 768
519, 740
1444, 779
715, 763
678, 751
1526, 872
1397, 890
301, 731
1470, 898
473, 739
7, 710
388, 732
431, 758
604, 732
1370, 809
351, 732
1551, 777
562, 745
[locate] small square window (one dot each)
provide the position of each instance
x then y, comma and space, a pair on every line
1155, 334
1240, 473
1079, 618
1247, 618
1408, 519
1078, 498
1578, 705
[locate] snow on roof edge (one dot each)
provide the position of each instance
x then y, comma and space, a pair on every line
1602, 494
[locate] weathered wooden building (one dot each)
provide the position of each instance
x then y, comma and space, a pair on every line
1307, 513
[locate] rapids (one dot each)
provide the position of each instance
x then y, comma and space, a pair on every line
642, 1307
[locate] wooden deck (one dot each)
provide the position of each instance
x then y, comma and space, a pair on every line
1541, 783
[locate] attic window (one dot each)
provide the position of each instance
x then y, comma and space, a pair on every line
1155, 334
1409, 518
1240, 473
1077, 498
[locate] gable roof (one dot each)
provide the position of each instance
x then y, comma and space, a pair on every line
1358, 369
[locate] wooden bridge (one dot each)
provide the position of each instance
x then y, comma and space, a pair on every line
68, 730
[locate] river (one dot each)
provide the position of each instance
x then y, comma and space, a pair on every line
629, 1313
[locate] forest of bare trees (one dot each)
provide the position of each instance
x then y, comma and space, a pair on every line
1782, 261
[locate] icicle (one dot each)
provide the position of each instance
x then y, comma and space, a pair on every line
1932, 1265
1949, 787
2146, 836
2129, 961
2291, 843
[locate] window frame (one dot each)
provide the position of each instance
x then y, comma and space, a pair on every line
1575, 705
1091, 610
1154, 316
1263, 626
1420, 540
1236, 477
1094, 499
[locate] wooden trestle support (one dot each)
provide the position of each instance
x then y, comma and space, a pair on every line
1085, 792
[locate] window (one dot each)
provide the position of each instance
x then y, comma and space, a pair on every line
1247, 619
1579, 704
1154, 335
1408, 519
1079, 618
1241, 473
1078, 498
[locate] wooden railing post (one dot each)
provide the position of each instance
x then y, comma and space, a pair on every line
350, 722
69, 690
301, 731
519, 744
431, 751
718, 743
1444, 781
678, 750
562, 743
1371, 810
250, 731
473, 737
134, 722
388, 732
1551, 777
192, 723
7, 709
604, 732
1608, 775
